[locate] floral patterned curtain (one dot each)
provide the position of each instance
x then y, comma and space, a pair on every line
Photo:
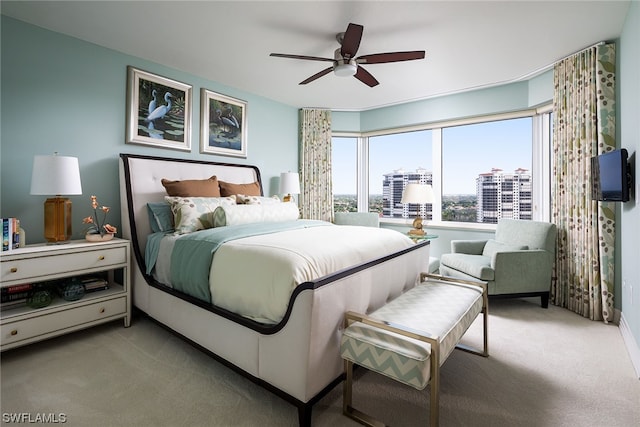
316, 198
583, 126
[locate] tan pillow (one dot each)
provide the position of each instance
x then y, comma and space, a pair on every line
193, 187
229, 189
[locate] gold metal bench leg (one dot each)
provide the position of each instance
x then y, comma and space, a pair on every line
347, 400
347, 389
434, 390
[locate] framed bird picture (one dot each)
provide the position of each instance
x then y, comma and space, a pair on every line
223, 124
158, 111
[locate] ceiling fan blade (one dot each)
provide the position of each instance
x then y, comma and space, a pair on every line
310, 58
365, 77
317, 76
351, 40
381, 58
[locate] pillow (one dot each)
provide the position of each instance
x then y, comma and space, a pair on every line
192, 187
160, 216
241, 199
229, 189
246, 214
195, 213
492, 246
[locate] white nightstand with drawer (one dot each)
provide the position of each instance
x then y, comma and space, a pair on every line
40, 263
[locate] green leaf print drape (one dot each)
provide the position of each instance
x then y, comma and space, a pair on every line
316, 198
583, 126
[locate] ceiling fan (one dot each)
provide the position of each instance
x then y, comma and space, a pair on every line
345, 62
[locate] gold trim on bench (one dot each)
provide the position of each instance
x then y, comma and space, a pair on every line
433, 340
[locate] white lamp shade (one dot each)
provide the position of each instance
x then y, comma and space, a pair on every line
289, 183
55, 175
417, 193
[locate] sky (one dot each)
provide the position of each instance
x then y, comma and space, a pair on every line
467, 151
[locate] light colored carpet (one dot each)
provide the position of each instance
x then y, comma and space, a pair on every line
547, 368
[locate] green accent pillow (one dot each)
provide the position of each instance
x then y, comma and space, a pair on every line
160, 216
195, 213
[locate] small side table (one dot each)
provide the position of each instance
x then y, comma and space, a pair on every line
416, 238
40, 263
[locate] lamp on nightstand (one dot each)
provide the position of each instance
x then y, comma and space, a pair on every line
419, 194
289, 184
59, 176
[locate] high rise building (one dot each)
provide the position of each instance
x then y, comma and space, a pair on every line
503, 195
392, 187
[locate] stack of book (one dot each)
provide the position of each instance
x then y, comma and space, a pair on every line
15, 296
94, 283
10, 233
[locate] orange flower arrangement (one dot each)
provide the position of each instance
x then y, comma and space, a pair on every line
95, 226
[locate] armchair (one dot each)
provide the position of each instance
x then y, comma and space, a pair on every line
517, 263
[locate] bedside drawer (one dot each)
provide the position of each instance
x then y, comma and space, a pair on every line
50, 325
27, 270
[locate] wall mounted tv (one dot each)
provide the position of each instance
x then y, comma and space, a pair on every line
610, 176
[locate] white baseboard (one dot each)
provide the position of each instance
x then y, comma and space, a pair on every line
630, 343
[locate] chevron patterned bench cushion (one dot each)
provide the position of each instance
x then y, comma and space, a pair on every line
437, 309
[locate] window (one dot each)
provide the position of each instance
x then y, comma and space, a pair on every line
344, 167
480, 170
486, 171
395, 160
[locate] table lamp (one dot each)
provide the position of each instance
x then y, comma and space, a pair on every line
56, 175
419, 194
289, 184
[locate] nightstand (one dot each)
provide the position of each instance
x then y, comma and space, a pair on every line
38, 263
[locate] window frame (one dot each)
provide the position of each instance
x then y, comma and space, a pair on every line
541, 163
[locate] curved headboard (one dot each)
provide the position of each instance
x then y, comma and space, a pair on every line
140, 183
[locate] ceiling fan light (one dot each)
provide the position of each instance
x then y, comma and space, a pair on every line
345, 70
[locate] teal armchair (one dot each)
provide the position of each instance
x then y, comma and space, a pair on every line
517, 263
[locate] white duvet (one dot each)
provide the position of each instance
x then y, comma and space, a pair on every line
255, 276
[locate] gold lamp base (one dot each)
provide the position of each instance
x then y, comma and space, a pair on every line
57, 220
287, 198
417, 228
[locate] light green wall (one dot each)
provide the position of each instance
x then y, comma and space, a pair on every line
66, 95
628, 90
494, 100
541, 88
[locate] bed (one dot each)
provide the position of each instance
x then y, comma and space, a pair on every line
294, 352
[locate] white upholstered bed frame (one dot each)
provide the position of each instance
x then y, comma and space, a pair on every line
298, 358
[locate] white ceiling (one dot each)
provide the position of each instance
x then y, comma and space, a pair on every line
468, 44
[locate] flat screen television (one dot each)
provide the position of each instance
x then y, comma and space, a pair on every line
610, 179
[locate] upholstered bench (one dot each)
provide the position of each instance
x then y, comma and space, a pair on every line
409, 338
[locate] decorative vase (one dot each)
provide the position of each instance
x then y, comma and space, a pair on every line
40, 298
98, 238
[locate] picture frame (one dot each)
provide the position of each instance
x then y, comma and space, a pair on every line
149, 121
223, 124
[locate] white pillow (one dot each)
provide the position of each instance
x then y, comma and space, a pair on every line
195, 213
247, 214
241, 199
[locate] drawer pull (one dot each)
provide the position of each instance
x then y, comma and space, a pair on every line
101, 258
14, 332
14, 269
102, 310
